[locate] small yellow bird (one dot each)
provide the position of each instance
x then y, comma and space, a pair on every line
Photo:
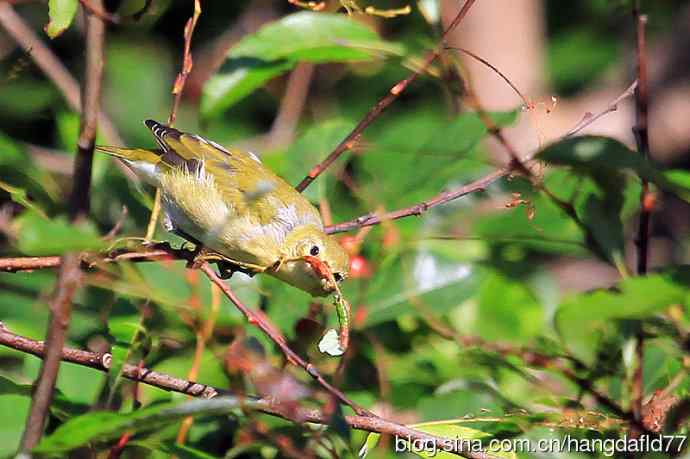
241, 212
242, 215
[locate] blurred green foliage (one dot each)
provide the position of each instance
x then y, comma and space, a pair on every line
483, 266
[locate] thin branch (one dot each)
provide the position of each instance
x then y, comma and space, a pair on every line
590, 118
95, 37
187, 62
102, 362
646, 202
177, 90
351, 140
420, 208
272, 332
481, 60
51, 66
69, 280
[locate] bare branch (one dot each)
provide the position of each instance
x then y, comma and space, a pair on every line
590, 118
69, 279
163, 381
420, 208
187, 62
95, 37
350, 141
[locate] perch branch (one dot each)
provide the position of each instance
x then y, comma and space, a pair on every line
352, 138
102, 362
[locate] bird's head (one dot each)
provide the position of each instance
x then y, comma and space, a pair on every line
316, 262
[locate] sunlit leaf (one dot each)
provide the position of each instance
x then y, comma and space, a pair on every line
581, 319
277, 47
107, 426
40, 236
61, 13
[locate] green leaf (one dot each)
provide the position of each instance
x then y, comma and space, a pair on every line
237, 79
184, 451
582, 320
467, 437
313, 37
417, 154
422, 280
20, 196
508, 310
61, 13
61, 407
40, 236
125, 330
601, 155
277, 47
107, 426
311, 148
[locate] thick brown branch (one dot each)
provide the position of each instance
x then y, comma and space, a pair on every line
163, 381
91, 96
352, 138
69, 279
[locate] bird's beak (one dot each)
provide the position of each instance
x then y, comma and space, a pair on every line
322, 271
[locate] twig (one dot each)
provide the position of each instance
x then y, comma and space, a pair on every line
51, 66
590, 118
69, 279
646, 203
187, 62
480, 59
95, 37
350, 141
420, 208
163, 381
275, 336
178, 89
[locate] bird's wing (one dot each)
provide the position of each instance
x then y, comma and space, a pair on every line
183, 149
259, 195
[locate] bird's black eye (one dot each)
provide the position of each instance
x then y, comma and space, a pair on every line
338, 277
314, 251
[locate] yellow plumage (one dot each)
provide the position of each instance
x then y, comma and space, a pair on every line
226, 200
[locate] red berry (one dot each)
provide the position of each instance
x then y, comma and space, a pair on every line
359, 267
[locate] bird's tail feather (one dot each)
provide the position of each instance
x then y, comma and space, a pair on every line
132, 154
